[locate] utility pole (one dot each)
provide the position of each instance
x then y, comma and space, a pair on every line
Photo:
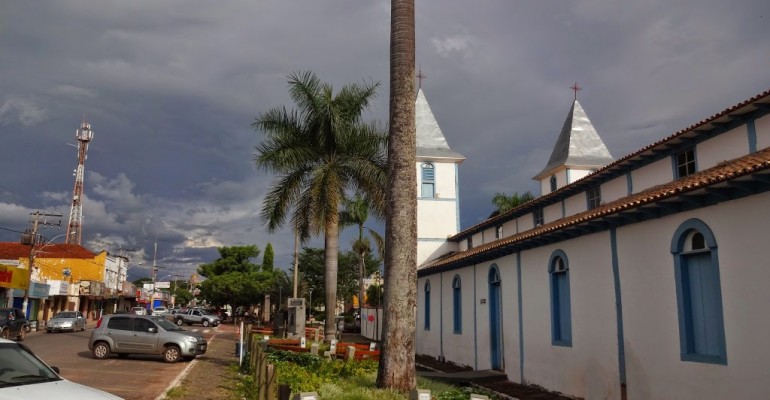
32, 239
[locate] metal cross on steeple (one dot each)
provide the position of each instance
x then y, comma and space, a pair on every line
420, 77
576, 88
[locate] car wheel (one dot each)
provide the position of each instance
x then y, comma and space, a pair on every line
172, 354
101, 350
205, 322
5, 334
22, 334
179, 322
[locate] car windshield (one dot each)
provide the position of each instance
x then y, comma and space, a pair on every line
65, 315
166, 324
18, 366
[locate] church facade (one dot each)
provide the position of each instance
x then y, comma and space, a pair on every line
643, 277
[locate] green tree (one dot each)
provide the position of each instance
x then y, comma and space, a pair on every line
397, 369
356, 212
374, 295
503, 202
267, 259
311, 263
234, 278
319, 151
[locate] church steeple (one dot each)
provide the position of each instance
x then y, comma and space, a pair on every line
431, 142
578, 151
438, 200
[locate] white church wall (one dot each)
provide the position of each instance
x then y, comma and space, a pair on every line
762, 128
428, 341
653, 174
430, 249
526, 222
614, 189
561, 180
510, 228
589, 367
458, 346
727, 146
653, 364
576, 174
575, 204
434, 220
446, 179
552, 212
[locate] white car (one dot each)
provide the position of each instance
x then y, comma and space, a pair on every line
139, 311
24, 376
160, 311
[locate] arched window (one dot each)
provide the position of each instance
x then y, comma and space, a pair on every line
698, 293
428, 180
561, 318
553, 183
427, 306
457, 313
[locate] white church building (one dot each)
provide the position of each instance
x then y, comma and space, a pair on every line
645, 277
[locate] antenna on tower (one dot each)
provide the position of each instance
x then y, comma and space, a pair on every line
74, 230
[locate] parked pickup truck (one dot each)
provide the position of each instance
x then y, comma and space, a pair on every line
195, 316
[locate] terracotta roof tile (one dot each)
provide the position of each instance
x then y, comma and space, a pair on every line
15, 250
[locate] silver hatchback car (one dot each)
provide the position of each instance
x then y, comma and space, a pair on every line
125, 334
66, 321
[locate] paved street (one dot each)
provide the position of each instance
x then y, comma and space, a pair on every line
133, 378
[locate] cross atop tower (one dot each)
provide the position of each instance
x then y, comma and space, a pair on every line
420, 77
576, 88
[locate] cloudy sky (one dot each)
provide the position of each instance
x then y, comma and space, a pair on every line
171, 87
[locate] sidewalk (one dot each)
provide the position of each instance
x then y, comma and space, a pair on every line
212, 376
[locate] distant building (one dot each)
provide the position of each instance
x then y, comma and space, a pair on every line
640, 278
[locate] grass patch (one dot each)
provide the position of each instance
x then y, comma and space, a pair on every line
340, 380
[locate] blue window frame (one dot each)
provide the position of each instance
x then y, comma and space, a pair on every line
684, 163
561, 318
427, 305
428, 180
457, 313
537, 217
698, 294
594, 197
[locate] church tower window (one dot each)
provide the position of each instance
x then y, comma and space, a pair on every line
428, 180
553, 183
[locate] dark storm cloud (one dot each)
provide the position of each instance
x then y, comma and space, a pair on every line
171, 88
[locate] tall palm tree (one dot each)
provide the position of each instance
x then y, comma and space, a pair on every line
356, 212
319, 151
397, 368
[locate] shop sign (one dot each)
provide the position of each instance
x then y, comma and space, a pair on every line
13, 274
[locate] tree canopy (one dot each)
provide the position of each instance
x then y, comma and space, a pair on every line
319, 151
503, 202
234, 278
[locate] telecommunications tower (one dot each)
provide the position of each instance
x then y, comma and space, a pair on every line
74, 233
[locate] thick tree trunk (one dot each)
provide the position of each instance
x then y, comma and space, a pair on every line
397, 369
331, 256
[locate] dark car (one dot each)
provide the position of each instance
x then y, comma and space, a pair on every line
13, 323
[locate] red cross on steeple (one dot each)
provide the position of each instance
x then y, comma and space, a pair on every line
575, 87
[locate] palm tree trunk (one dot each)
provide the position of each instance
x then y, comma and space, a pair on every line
397, 369
331, 256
